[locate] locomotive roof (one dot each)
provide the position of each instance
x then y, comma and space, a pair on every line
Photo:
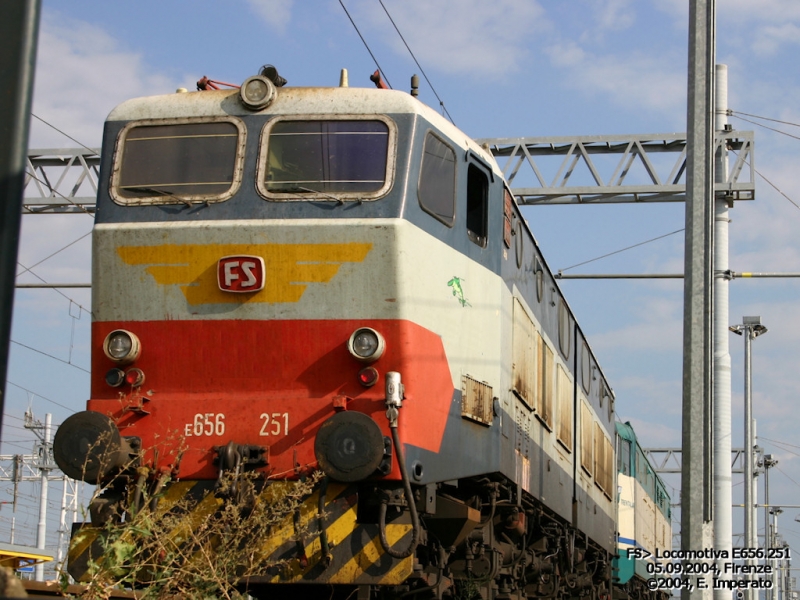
294, 101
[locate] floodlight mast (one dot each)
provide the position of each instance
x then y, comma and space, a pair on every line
750, 329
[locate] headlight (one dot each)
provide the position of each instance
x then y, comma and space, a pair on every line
366, 344
122, 346
257, 92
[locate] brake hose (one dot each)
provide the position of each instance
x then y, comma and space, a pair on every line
412, 506
394, 395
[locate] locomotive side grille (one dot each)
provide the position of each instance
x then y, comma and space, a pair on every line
565, 419
523, 432
604, 460
476, 400
524, 357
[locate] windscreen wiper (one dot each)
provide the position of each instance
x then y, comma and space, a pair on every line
158, 192
299, 188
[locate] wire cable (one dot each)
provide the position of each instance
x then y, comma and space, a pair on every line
35, 395
772, 185
58, 291
770, 128
75, 204
92, 150
785, 475
386, 79
50, 356
736, 113
26, 269
621, 250
441, 102
778, 442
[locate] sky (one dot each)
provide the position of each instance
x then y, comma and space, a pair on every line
500, 69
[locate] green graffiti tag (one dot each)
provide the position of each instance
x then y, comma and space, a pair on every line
458, 291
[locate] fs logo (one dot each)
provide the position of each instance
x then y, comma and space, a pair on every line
240, 273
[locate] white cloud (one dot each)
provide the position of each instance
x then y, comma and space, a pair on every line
647, 82
275, 13
677, 9
766, 26
653, 434
765, 11
613, 15
770, 38
81, 74
648, 329
484, 39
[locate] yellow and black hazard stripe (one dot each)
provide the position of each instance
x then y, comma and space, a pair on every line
335, 547
321, 542
86, 544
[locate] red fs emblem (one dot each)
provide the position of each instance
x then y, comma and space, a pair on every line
240, 274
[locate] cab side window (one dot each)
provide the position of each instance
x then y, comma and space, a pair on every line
477, 205
624, 457
437, 180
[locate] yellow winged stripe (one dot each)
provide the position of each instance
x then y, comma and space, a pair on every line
290, 268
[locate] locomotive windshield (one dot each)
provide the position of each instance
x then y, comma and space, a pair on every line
167, 163
324, 158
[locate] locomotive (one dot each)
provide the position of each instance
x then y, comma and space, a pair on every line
289, 281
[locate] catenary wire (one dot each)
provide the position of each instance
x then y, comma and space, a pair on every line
88, 312
736, 113
386, 79
72, 243
93, 150
779, 446
770, 128
785, 475
441, 102
36, 395
83, 208
50, 356
622, 250
772, 185
778, 442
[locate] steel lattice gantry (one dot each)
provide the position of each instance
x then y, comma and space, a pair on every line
614, 168
669, 460
61, 180
547, 170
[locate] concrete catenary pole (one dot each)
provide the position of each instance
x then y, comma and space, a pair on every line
774, 543
769, 462
45, 468
696, 434
62, 523
723, 495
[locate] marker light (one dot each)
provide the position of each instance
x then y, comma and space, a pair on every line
368, 376
366, 344
115, 377
122, 346
257, 92
134, 377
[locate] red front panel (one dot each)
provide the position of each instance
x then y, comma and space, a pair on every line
264, 383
